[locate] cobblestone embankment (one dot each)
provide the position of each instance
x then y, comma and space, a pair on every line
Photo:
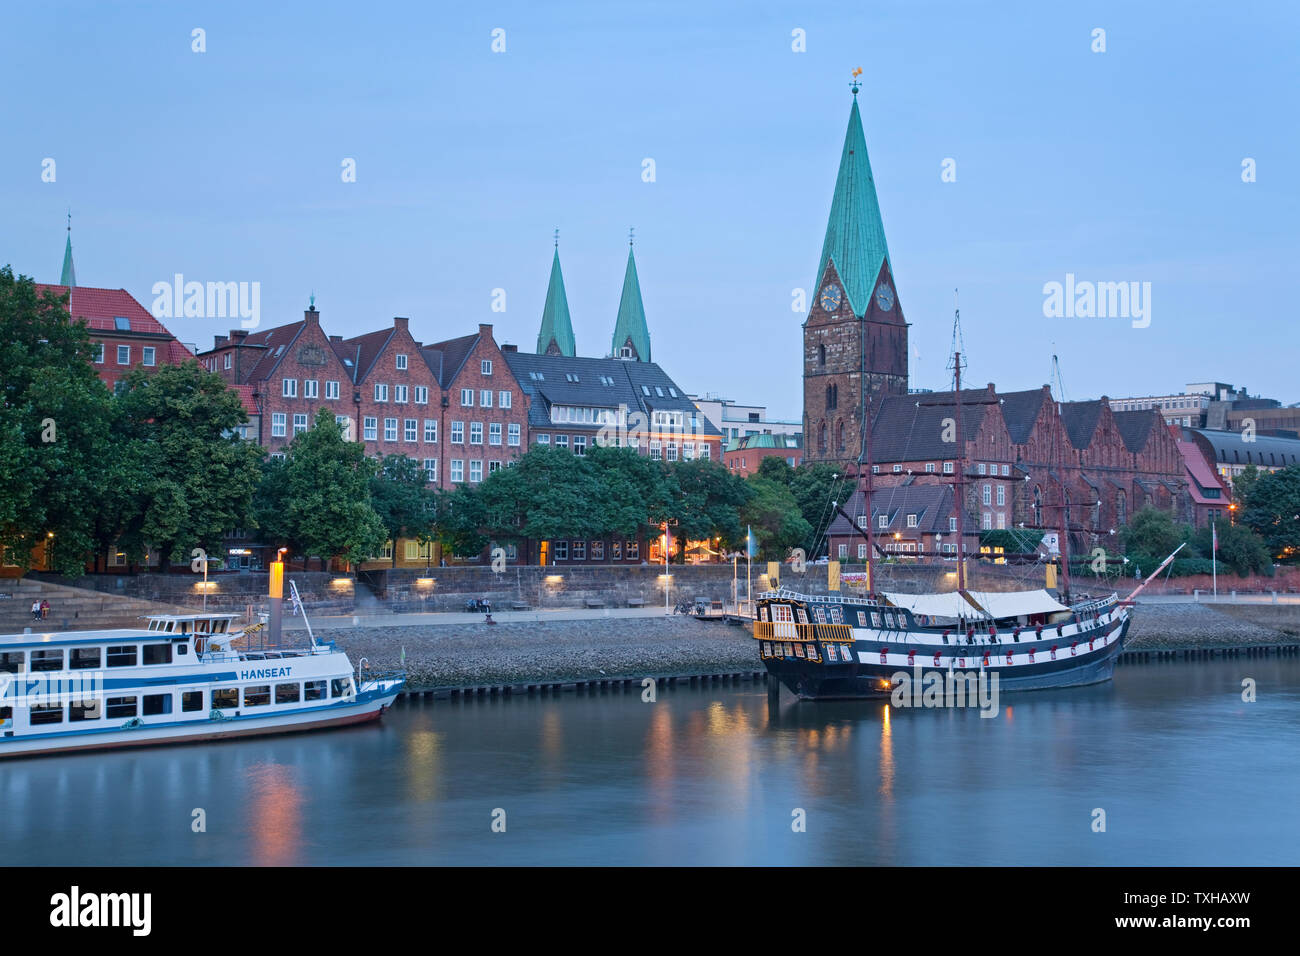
449, 656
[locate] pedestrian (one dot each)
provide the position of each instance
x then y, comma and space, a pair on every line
36, 610
45, 609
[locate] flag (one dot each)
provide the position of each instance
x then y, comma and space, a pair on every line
751, 546
1214, 538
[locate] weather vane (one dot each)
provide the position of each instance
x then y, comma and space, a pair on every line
631, 230
557, 238
856, 85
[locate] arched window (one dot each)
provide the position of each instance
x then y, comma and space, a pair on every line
1121, 509
821, 437
839, 436
821, 355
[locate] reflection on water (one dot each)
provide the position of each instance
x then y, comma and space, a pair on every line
1187, 773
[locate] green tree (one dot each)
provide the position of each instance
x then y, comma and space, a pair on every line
1243, 484
401, 496
1240, 550
317, 501
1272, 510
193, 476
814, 487
1152, 534
775, 468
56, 416
709, 501
774, 515
459, 518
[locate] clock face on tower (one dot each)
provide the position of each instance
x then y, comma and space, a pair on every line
831, 297
884, 297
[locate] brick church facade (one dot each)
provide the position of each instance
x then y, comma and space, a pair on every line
1022, 449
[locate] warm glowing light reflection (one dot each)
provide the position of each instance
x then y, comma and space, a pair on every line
275, 812
886, 754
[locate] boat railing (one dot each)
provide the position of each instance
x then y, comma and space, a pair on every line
789, 631
786, 594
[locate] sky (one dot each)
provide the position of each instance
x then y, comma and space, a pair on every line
1117, 166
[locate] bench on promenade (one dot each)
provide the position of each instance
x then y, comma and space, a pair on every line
520, 606
636, 602
593, 602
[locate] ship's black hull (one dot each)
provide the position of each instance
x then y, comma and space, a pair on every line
864, 680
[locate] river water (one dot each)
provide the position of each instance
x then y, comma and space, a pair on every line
1185, 771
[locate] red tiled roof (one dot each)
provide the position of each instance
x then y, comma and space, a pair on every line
246, 399
1203, 476
363, 350
100, 307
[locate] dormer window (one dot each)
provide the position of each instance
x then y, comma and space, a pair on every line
121, 323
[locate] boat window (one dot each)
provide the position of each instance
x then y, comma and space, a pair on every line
153, 625
767, 649
157, 704
84, 657
123, 656
803, 615
287, 693
157, 654
313, 690
47, 659
171, 625
837, 614
85, 710
11, 662
6, 715
831, 654
119, 707
257, 696
862, 619
341, 687
191, 700
182, 649
219, 627
45, 714
225, 697
798, 650
201, 626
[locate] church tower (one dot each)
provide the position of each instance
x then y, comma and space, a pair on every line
855, 336
631, 333
555, 337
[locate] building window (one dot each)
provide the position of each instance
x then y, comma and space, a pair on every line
279, 422
421, 395
862, 552
331, 390
458, 433
580, 444
430, 431
310, 388
987, 522
512, 433
381, 393
345, 425
503, 399
124, 355
633, 550
399, 394
390, 429
467, 397
401, 362
843, 552
1006, 469
299, 423
598, 550
543, 439
898, 469
579, 551
457, 470
947, 468
494, 433
882, 521
561, 551
289, 388
656, 449
706, 452
987, 491
911, 521
225, 364
431, 469
410, 429
980, 468
485, 366
476, 433
370, 428
561, 441
148, 354
952, 524
1002, 495
485, 398
1002, 521
494, 466
929, 468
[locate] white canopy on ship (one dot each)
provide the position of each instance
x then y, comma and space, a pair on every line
993, 604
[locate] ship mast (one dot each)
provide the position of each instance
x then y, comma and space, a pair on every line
1060, 480
959, 483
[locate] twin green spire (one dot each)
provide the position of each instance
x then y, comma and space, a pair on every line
855, 234
555, 337
556, 334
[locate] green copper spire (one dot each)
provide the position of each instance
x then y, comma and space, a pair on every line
69, 277
855, 235
556, 334
631, 331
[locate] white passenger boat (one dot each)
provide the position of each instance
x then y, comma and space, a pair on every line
178, 679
